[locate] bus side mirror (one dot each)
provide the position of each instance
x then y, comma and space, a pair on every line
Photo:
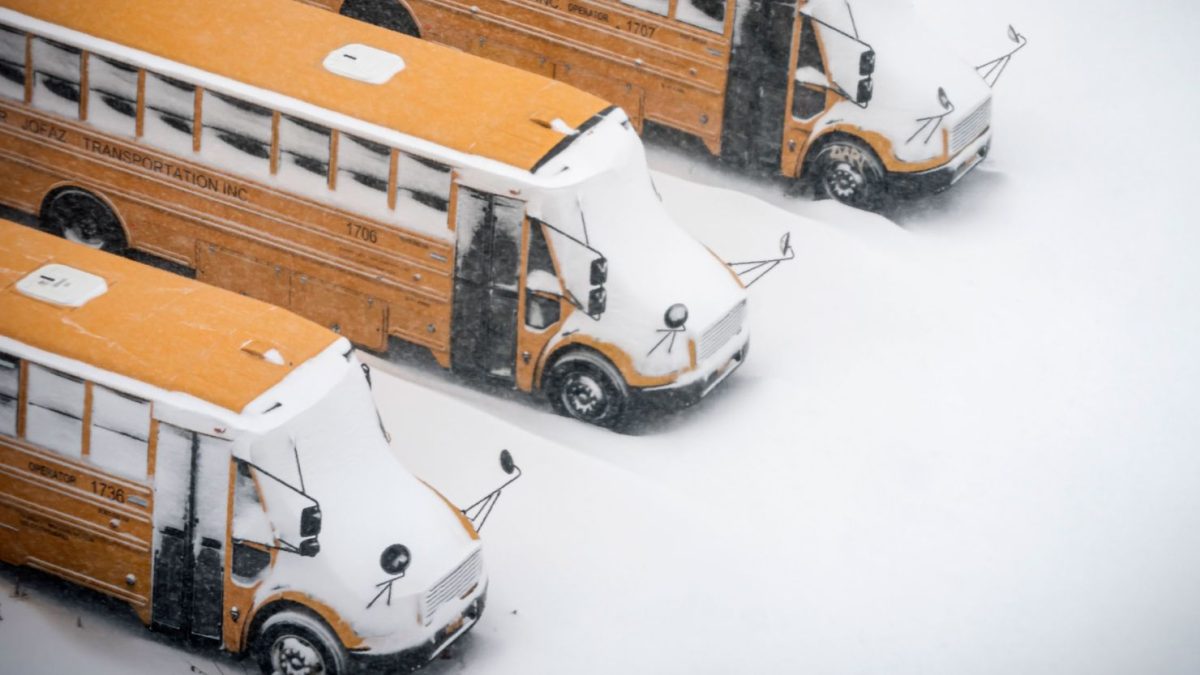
865, 88
506, 462
597, 302
866, 63
599, 272
310, 547
310, 522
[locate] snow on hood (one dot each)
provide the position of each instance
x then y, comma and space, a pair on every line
368, 501
652, 262
910, 64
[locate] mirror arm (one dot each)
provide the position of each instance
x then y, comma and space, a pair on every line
483, 507
992, 70
751, 266
283, 546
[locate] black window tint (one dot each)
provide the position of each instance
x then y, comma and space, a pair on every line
539, 251
422, 192
56, 77
12, 63
112, 95
304, 155
10, 386
54, 411
170, 113
809, 54
235, 134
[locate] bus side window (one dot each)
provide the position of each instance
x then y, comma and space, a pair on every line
363, 168
12, 63
10, 386
422, 193
56, 77
170, 114
304, 155
250, 524
541, 310
120, 433
658, 7
808, 95
54, 411
235, 135
706, 14
112, 95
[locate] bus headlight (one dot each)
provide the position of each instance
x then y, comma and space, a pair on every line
395, 559
676, 315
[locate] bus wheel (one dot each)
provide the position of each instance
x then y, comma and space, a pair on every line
296, 643
78, 216
848, 171
389, 14
588, 388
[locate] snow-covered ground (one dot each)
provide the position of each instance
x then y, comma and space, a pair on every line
963, 443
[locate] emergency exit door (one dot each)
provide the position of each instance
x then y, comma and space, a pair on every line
191, 500
487, 276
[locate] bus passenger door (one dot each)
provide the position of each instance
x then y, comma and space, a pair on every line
191, 499
486, 284
809, 93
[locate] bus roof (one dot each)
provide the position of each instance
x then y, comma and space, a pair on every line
160, 328
442, 95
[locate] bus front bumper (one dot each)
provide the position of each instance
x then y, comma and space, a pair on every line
941, 178
413, 658
679, 395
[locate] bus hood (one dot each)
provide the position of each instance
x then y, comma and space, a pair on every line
911, 64
368, 502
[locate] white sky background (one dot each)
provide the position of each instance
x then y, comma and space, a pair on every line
962, 444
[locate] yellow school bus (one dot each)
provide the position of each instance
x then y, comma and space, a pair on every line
218, 464
383, 186
843, 93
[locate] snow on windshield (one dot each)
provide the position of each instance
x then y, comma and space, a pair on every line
323, 449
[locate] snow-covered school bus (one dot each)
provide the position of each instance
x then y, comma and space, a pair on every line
842, 92
217, 463
380, 185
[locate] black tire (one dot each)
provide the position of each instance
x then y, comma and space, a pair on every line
294, 642
79, 216
848, 171
588, 388
389, 14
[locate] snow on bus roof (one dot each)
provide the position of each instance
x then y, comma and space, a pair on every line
153, 326
456, 100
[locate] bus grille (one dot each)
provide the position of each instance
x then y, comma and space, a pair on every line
718, 334
452, 585
971, 127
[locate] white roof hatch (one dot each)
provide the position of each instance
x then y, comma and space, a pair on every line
62, 285
363, 63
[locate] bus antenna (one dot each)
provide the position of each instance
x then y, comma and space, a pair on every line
853, 25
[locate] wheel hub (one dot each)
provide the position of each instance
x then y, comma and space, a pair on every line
583, 395
86, 233
292, 655
845, 181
